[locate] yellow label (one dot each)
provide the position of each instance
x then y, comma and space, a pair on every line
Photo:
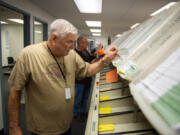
104, 98
106, 127
105, 110
121, 71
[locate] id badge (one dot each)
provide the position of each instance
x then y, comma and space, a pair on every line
67, 93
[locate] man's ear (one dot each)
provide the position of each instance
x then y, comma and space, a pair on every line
53, 37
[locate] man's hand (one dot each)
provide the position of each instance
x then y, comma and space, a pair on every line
15, 131
98, 66
111, 54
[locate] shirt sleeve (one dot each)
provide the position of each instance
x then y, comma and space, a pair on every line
20, 73
82, 67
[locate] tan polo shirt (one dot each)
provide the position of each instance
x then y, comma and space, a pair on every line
47, 110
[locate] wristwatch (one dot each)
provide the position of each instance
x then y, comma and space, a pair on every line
103, 62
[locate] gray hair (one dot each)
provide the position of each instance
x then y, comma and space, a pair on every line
80, 38
61, 28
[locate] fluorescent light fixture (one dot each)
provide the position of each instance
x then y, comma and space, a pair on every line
135, 25
95, 30
37, 23
17, 20
2, 22
93, 23
163, 8
118, 35
96, 34
89, 6
38, 32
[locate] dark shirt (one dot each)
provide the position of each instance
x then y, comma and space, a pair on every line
88, 58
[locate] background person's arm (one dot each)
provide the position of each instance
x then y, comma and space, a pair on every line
13, 111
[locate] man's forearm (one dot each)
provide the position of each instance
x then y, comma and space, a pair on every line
95, 68
14, 107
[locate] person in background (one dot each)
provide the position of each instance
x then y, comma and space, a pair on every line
100, 51
82, 87
47, 71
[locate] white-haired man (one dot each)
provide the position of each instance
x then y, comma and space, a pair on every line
47, 71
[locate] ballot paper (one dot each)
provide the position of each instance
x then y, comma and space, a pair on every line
165, 34
161, 89
127, 68
122, 38
144, 31
123, 51
136, 59
134, 40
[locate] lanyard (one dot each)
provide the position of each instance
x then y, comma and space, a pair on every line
57, 63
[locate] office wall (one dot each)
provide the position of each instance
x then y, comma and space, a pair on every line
15, 33
102, 40
1, 112
33, 10
12, 41
38, 34
1, 118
